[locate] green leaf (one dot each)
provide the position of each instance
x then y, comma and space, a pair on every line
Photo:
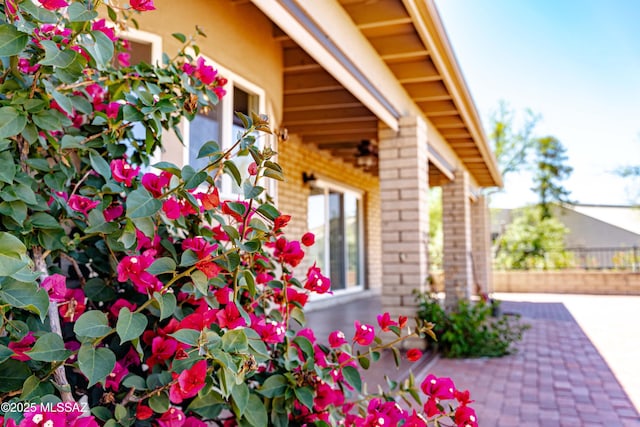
11, 122
92, 324
273, 170
364, 362
140, 204
269, 211
167, 303
56, 57
180, 37
159, 402
352, 376
195, 180
47, 120
305, 396
49, 348
78, 12
5, 353
7, 167
187, 336
96, 363
16, 210
40, 13
231, 169
251, 192
134, 381
44, 221
63, 101
13, 374
28, 296
34, 388
201, 281
274, 386
240, 394
208, 148
256, 413
162, 265
168, 167
12, 41
100, 165
235, 341
97, 290
100, 47
306, 347
130, 325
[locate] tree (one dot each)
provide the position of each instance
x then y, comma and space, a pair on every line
632, 174
512, 147
551, 169
532, 241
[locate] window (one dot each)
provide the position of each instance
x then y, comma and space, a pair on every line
335, 217
220, 124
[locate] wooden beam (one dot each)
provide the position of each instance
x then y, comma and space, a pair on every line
427, 91
320, 100
296, 59
383, 11
298, 117
402, 45
457, 134
314, 81
415, 71
346, 138
438, 108
328, 128
448, 122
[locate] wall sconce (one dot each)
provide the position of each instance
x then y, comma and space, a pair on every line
308, 177
282, 134
367, 156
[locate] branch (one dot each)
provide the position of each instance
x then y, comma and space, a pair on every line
59, 375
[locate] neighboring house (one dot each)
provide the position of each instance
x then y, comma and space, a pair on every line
371, 109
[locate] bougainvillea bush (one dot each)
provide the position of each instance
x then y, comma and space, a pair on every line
132, 295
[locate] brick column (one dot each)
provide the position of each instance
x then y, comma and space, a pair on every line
456, 228
481, 244
404, 192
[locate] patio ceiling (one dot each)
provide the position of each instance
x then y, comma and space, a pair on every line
408, 37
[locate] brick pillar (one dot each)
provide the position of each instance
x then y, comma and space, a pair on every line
404, 193
456, 228
481, 244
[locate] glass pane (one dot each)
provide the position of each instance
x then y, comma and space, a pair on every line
243, 102
336, 240
316, 223
204, 127
352, 231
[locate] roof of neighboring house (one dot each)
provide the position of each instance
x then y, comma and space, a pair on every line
625, 217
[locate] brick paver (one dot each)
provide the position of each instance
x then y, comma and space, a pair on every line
558, 377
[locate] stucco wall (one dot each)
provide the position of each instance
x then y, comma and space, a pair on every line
296, 158
568, 282
239, 38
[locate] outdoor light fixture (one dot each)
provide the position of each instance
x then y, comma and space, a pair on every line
308, 177
367, 156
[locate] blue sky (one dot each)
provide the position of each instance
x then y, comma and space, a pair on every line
575, 62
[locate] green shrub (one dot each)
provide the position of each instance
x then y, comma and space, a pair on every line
471, 330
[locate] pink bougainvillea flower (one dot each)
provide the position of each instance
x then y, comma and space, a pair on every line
121, 302
201, 71
402, 321
463, 397
308, 334
123, 172
112, 110
336, 339
252, 169
281, 221
134, 268
438, 388
20, 347
364, 333
73, 306
53, 4
316, 281
155, 184
116, 376
327, 396
210, 200
230, 317
465, 417
174, 417
162, 349
199, 246
145, 242
82, 204
384, 320
198, 321
223, 295
171, 208
413, 354
190, 382
308, 239
123, 58
209, 268
288, 252
100, 25
56, 286
142, 5
143, 412
36, 415
113, 212
194, 422
415, 420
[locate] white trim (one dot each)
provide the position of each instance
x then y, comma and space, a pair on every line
336, 185
145, 37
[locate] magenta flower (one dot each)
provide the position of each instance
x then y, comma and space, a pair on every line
438, 388
364, 333
133, 268
174, 417
230, 317
288, 252
53, 4
316, 282
155, 184
413, 354
336, 339
308, 239
142, 5
116, 376
199, 245
415, 420
113, 108
82, 204
56, 286
190, 382
384, 320
100, 25
22, 346
123, 172
171, 208
113, 212
162, 349
465, 417
124, 59
74, 305
121, 302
